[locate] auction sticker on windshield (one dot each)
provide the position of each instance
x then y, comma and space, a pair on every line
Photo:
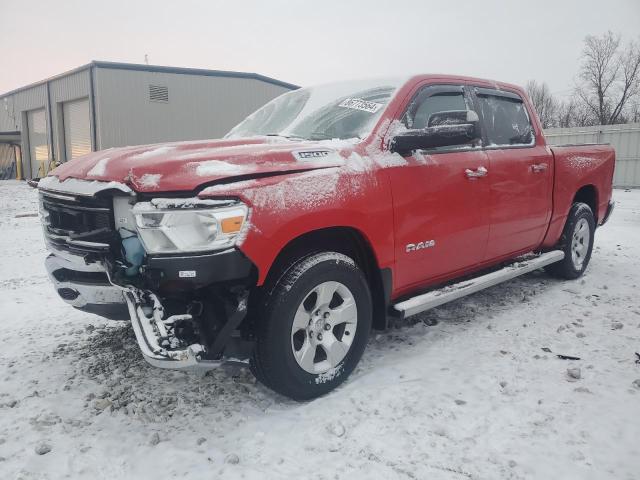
360, 104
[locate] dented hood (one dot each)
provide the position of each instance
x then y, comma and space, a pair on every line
186, 166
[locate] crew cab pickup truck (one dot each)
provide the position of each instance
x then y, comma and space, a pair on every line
317, 219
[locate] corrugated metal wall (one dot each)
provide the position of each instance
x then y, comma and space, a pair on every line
198, 107
13, 116
12, 107
69, 88
624, 138
15, 108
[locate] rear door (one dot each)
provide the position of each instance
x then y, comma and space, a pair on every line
441, 213
520, 176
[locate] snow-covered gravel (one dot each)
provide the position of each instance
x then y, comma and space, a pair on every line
464, 391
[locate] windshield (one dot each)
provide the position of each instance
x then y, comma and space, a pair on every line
341, 110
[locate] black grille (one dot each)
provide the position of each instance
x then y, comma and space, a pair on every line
76, 220
78, 223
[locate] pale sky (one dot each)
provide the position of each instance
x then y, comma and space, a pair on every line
310, 42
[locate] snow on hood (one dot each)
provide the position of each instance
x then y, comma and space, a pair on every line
185, 166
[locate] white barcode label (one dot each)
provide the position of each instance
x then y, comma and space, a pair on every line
359, 104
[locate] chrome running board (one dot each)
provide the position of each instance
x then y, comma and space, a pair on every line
438, 297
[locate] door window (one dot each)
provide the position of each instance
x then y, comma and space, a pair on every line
432, 100
505, 118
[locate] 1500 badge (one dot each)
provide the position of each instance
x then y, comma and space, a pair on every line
412, 247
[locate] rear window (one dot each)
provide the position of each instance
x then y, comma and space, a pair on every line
505, 118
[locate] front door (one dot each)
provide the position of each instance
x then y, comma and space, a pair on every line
441, 214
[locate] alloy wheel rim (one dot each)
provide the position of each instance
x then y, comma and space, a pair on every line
580, 243
324, 327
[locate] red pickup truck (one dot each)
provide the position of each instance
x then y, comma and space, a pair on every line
316, 219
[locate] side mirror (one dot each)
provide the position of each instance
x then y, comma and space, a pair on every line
455, 127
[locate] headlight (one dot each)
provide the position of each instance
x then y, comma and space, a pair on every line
188, 227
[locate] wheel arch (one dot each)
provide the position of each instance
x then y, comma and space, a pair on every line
588, 194
350, 242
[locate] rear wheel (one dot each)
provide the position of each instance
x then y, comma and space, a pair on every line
576, 242
315, 326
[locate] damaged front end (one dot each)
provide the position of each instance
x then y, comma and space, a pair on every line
170, 265
182, 341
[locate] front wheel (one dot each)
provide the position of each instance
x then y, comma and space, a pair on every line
314, 328
576, 242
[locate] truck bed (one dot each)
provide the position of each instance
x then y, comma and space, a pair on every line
576, 167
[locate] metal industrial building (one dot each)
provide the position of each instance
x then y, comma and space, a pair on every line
106, 104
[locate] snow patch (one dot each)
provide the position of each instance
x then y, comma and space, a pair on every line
358, 163
579, 162
339, 144
150, 180
153, 153
218, 189
307, 190
173, 203
219, 168
377, 149
82, 187
329, 375
99, 168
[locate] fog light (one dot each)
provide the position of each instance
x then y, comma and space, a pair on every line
68, 293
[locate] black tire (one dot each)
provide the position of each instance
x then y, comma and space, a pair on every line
273, 362
566, 268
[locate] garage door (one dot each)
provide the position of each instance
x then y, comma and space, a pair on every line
7, 161
77, 128
38, 146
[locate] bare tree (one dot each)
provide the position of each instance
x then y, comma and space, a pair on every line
609, 77
544, 102
565, 115
574, 113
634, 115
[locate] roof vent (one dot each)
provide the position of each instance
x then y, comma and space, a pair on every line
158, 93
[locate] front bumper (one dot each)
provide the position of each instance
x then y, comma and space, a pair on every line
85, 286
156, 334
153, 331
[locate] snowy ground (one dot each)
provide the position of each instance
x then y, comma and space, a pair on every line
465, 391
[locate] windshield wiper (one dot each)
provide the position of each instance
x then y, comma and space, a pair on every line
288, 137
323, 136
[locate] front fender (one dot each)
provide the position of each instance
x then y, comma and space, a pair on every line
285, 207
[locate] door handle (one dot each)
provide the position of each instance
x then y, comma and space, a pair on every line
538, 167
480, 172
